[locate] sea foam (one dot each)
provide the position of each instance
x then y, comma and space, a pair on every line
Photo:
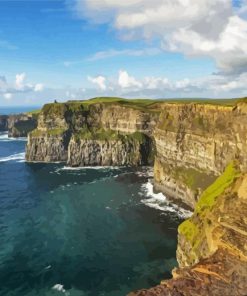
160, 202
19, 156
4, 138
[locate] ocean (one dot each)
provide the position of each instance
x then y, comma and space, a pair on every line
17, 109
81, 232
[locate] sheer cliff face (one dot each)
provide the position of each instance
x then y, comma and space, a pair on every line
194, 144
95, 134
119, 152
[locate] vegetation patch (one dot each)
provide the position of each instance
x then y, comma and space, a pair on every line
57, 109
189, 230
194, 229
107, 135
192, 178
209, 196
50, 132
166, 123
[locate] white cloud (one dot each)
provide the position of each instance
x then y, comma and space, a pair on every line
125, 52
216, 85
99, 81
19, 79
201, 28
19, 86
157, 83
38, 87
127, 81
8, 96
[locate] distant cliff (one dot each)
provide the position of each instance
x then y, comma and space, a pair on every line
94, 133
199, 153
18, 125
3, 123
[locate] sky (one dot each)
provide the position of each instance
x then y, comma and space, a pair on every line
78, 49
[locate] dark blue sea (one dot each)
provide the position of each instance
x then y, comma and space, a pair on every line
80, 232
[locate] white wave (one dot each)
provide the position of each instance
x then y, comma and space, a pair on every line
90, 168
146, 172
59, 288
18, 156
17, 139
4, 138
160, 202
4, 135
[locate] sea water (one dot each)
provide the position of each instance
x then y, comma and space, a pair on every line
81, 232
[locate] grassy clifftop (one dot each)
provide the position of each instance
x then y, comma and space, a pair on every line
148, 105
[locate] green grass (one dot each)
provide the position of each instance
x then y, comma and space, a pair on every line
209, 196
109, 135
61, 108
50, 132
192, 178
99, 134
149, 105
189, 230
221, 102
34, 112
194, 228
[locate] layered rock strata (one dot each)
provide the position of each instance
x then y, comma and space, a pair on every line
194, 144
94, 134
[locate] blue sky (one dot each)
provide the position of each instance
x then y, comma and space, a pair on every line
84, 48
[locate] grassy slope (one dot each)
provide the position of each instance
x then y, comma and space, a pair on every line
189, 228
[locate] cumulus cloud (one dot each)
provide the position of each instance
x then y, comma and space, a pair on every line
38, 87
128, 85
201, 28
127, 81
19, 80
99, 81
8, 89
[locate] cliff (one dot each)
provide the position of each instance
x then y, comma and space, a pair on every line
199, 152
18, 125
194, 143
95, 133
